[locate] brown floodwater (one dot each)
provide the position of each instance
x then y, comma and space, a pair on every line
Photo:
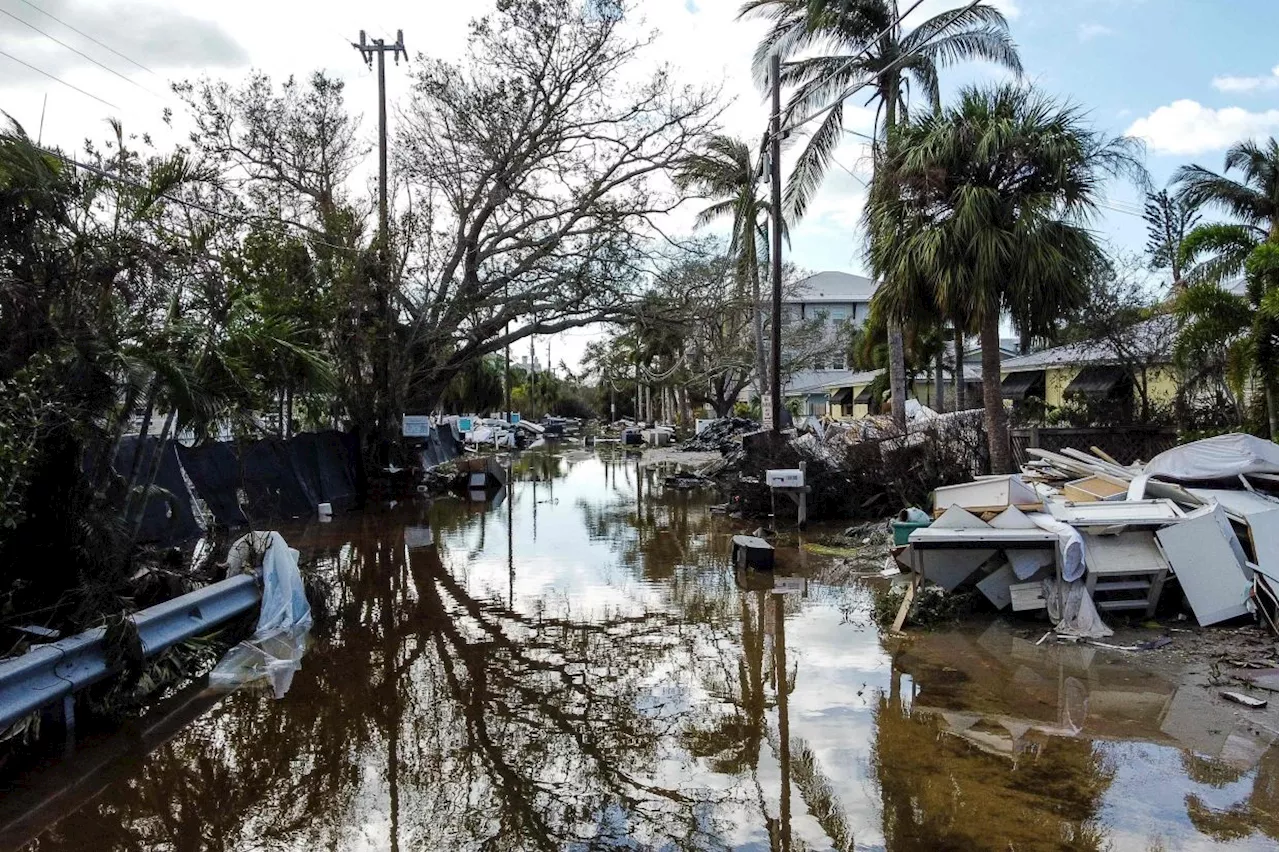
575, 665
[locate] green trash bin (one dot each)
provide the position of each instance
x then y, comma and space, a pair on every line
902, 530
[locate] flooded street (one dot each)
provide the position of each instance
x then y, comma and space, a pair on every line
575, 665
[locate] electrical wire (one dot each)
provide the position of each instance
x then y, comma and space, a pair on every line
59, 80
851, 91
90, 38
870, 44
80, 53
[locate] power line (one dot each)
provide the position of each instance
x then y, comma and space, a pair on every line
851, 91
871, 42
91, 38
59, 80
81, 53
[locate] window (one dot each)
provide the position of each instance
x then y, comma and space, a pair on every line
837, 363
839, 314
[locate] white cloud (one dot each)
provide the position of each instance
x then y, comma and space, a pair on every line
1232, 83
1187, 127
1088, 32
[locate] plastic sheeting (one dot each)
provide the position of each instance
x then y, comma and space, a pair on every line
1070, 545
1219, 457
1072, 611
272, 655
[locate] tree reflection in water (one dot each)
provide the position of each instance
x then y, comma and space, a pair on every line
456, 701
431, 719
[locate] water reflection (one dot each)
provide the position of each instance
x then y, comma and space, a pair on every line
576, 666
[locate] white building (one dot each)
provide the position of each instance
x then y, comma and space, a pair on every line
839, 298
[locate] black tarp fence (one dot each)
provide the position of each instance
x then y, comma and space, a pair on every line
246, 482
166, 517
440, 446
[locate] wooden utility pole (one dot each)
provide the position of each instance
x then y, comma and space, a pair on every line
775, 239
368, 49
382, 366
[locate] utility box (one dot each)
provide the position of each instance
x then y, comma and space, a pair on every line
785, 478
753, 552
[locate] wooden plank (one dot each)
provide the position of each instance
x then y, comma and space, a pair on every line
958, 518
907, 598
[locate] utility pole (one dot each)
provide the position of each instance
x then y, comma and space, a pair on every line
382, 366
367, 51
775, 239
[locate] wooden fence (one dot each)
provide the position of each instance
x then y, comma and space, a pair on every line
1126, 444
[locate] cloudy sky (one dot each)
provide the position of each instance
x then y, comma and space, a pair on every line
1188, 76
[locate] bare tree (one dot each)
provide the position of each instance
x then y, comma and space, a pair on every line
536, 169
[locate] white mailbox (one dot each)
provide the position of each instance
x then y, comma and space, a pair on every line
793, 478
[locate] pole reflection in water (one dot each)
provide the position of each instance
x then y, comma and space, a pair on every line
613, 682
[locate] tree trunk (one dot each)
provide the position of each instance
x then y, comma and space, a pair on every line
288, 412
1270, 396
157, 459
897, 375
106, 455
958, 378
757, 309
939, 385
994, 418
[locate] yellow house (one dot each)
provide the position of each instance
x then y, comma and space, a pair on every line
1099, 370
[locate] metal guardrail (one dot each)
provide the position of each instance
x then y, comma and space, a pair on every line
54, 672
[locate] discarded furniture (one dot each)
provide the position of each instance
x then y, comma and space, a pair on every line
1207, 560
1121, 513
987, 494
1125, 571
1100, 486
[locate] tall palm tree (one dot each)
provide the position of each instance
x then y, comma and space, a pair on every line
725, 172
986, 206
1225, 337
862, 42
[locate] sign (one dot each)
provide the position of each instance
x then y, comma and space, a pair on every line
766, 410
415, 425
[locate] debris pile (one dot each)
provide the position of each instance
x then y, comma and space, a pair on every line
1079, 534
723, 435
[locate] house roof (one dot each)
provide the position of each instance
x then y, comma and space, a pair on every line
818, 381
832, 287
821, 381
1153, 335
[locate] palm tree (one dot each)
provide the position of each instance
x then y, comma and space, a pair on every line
725, 172
1252, 200
984, 207
863, 43
1225, 337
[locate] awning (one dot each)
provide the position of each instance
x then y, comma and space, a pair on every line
842, 396
1023, 384
863, 397
1096, 380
